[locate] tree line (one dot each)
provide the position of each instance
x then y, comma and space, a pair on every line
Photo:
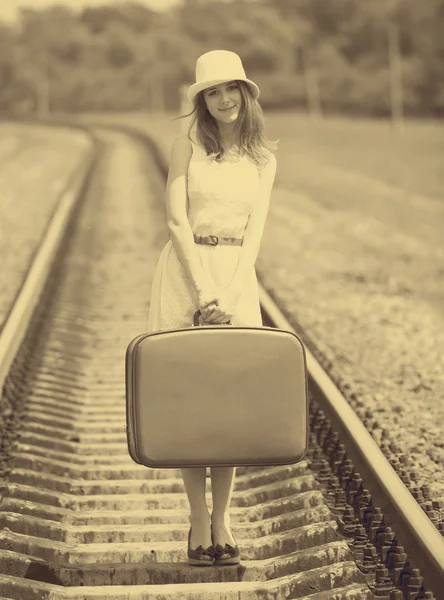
377, 57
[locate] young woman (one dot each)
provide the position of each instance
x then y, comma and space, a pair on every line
217, 198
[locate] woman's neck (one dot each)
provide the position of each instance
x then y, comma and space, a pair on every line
232, 143
230, 138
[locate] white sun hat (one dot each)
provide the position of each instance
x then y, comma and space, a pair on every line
217, 67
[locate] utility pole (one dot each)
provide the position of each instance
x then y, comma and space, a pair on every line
395, 70
311, 65
157, 77
35, 71
311, 78
43, 89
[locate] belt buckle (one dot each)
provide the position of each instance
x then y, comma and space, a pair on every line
214, 240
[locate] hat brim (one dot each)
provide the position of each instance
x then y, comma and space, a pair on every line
194, 89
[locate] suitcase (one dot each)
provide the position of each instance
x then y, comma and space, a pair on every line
216, 395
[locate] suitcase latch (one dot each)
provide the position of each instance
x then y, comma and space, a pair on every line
214, 240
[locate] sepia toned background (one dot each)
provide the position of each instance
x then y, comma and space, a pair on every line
353, 91
379, 58
352, 253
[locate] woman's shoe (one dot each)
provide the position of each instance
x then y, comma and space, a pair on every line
199, 556
226, 555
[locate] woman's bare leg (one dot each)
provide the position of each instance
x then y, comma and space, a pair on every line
222, 484
194, 479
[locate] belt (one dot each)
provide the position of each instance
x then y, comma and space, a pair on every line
214, 240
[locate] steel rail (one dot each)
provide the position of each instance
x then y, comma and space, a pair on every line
27, 298
420, 538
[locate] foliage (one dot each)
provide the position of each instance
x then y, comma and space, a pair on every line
126, 56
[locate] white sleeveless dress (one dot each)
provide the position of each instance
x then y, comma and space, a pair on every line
221, 197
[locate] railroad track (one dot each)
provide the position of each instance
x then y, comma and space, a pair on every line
80, 520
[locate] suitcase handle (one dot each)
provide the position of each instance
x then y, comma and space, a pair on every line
196, 320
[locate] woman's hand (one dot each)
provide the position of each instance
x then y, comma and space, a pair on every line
222, 311
207, 301
209, 311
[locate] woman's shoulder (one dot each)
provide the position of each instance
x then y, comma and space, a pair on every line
269, 163
181, 143
182, 150
185, 144
180, 154
271, 159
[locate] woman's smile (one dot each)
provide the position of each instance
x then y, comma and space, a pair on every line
224, 98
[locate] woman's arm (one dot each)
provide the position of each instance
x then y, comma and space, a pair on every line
178, 225
254, 229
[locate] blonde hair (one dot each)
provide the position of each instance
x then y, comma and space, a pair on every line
250, 124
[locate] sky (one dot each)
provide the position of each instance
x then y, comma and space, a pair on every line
9, 9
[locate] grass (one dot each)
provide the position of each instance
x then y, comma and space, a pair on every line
411, 161
360, 166
370, 147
